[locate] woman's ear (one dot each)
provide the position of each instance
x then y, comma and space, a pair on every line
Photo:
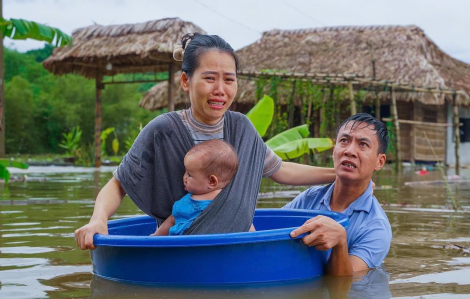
184, 80
213, 181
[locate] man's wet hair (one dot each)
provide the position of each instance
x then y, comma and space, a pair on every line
378, 126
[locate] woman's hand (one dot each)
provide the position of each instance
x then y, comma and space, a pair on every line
107, 202
84, 235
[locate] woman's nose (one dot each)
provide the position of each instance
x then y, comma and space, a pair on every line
219, 88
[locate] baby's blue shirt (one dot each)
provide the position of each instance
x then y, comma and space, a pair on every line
185, 211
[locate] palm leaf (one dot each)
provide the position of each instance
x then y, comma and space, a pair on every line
22, 29
261, 114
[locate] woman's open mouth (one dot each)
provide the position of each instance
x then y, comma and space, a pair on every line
216, 104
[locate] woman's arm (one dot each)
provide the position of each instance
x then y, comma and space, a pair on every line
107, 202
298, 174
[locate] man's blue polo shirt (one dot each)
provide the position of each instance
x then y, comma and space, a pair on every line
369, 233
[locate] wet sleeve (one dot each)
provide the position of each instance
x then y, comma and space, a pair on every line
272, 163
373, 243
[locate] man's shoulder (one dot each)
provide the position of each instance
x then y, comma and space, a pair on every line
309, 198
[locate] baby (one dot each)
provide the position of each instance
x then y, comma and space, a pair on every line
210, 165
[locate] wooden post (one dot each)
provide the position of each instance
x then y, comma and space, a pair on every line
413, 135
377, 105
396, 126
2, 93
352, 103
99, 88
290, 116
456, 134
171, 82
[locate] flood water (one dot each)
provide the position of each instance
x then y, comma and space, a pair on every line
429, 256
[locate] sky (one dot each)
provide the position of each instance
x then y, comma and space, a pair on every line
241, 22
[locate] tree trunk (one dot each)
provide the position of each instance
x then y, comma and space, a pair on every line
2, 92
99, 88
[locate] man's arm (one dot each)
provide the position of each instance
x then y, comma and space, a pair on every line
299, 174
325, 234
107, 202
164, 229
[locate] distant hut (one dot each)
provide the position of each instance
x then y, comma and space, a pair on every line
395, 53
99, 51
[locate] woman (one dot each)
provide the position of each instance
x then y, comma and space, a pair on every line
151, 171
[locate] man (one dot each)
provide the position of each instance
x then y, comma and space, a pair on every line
361, 143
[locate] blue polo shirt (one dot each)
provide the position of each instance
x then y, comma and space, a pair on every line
369, 233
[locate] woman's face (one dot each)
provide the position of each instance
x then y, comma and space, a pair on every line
212, 86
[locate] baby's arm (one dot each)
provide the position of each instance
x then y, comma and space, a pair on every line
164, 229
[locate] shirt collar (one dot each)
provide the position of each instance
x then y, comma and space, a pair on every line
362, 203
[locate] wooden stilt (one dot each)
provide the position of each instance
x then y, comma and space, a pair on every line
290, 120
396, 126
455, 111
352, 103
171, 82
413, 135
99, 88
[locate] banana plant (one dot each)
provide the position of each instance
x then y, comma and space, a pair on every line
294, 143
261, 114
4, 163
23, 29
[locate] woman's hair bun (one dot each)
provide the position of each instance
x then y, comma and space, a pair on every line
178, 53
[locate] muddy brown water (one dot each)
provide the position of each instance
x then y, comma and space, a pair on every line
429, 256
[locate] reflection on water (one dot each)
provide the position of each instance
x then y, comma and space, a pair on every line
429, 256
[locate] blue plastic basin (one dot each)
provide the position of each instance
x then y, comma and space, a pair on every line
129, 254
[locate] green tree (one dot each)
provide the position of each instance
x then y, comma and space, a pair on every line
19, 99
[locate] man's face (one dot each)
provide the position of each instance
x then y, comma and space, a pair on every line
355, 154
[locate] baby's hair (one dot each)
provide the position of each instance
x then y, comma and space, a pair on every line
216, 157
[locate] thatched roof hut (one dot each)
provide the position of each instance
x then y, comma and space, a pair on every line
130, 48
395, 53
99, 51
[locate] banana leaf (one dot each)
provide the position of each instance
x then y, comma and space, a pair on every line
4, 174
10, 163
292, 143
261, 114
23, 29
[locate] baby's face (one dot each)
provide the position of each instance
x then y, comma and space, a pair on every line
194, 179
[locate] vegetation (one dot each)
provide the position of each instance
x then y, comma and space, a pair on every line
40, 108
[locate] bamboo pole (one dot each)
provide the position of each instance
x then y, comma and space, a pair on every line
99, 88
290, 120
377, 106
456, 134
413, 135
171, 82
2, 92
396, 126
352, 103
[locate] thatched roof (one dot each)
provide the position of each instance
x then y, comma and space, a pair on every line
157, 97
129, 48
401, 53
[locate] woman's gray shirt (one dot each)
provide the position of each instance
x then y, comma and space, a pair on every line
152, 173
